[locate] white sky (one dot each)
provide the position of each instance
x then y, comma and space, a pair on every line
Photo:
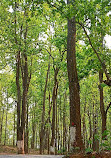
108, 41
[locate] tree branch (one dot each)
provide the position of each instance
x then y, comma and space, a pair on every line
102, 64
51, 57
52, 5
108, 107
50, 54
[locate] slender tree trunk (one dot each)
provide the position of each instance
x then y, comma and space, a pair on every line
49, 122
58, 126
95, 131
36, 140
14, 131
56, 130
33, 128
110, 125
102, 109
64, 124
5, 140
1, 126
75, 118
52, 144
90, 127
69, 141
60, 136
86, 138
27, 133
84, 125
42, 132
5, 130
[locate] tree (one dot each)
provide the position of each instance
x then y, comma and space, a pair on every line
75, 118
34, 34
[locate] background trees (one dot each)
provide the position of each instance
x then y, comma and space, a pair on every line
34, 38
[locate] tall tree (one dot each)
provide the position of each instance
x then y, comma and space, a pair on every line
75, 118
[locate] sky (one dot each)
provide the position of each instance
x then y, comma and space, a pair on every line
108, 41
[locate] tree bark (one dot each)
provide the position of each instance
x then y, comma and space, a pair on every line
102, 109
56, 134
21, 64
90, 127
6, 122
17, 84
19, 130
52, 144
75, 118
42, 132
95, 144
1, 126
58, 123
49, 122
27, 132
64, 124
84, 125
14, 130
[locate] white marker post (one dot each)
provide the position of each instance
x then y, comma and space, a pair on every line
72, 136
52, 150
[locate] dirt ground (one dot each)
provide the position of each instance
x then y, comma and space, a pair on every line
6, 150
9, 150
92, 155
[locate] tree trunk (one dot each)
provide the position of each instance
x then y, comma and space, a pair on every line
5, 130
25, 84
95, 141
36, 140
90, 127
52, 144
6, 122
21, 63
24, 98
102, 109
33, 129
56, 134
49, 122
1, 126
60, 136
18, 86
75, 118
84, 125
64, 124
27, 133
18, 103
14, 131
42, 132
58, 124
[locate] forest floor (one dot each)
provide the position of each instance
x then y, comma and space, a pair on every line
9, 150
91, 155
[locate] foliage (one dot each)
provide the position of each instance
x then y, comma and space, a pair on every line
46, 43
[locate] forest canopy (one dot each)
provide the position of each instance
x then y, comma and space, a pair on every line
55, 75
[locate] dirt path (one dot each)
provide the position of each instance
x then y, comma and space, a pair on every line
31, 156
